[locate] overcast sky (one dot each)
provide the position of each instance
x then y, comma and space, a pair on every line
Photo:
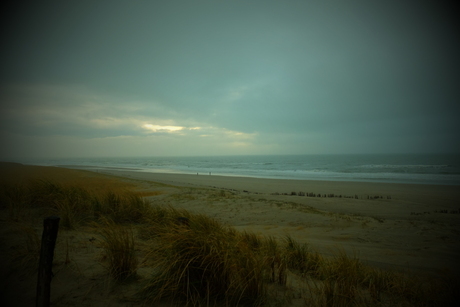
156, 78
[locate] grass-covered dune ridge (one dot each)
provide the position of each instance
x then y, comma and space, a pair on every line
149, 254
73, 204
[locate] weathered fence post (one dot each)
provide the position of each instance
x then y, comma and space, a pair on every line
50, 230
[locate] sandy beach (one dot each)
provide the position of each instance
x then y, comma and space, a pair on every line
405, 227
391, 226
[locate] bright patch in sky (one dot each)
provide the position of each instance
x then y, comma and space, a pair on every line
158, 128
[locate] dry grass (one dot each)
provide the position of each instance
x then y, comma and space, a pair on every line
197, 260
75, 205
206, 262
299, 258
125, 207
19, 174
118, 243
203, 262
27, 254
14, 199
346, 281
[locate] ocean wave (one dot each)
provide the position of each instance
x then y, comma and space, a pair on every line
398, 166
385, 168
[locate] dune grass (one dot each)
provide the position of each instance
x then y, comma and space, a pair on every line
197, 260
203, 262
75, 205
27, 254
119, 248
206, 262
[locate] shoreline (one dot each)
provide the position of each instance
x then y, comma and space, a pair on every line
156, 174
270, 186
397, 178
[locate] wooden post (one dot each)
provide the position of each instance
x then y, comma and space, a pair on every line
50, 230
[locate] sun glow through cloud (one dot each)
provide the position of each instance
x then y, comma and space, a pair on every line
158, 128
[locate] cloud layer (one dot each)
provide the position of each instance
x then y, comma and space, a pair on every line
239, 77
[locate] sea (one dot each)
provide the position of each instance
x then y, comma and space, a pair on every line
439, 169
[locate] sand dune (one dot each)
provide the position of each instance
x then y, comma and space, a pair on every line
403, 229
396, 226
